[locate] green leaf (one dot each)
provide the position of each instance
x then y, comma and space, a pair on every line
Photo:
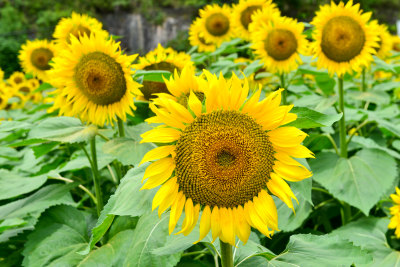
63, 129
325, 83
12, 184
43, 87
153, 75
388, 126
307, 118
386, 86
357, 180
252, 67
369, 143
150, 233
44, 148
377, 97
326, 250
8, 126
127, 150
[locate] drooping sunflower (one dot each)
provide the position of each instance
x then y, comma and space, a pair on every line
216, 23
196, 39
94, 80
395, 211
242, 15
263, 16
77, 25
16, 78
161, 59
344, 41
35, 57
385, 39
279, 44
224, 156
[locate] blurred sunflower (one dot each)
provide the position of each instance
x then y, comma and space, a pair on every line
223, 157
263, 16
279, 44
395, 211
3, 100
216, 23
160, 59
344, 41
1, 75
385, 40
396, 43
77, 25
242, 15
196, 39
94, 80
24, 88
35, 57
16, 78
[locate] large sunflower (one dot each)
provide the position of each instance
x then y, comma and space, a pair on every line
385, 39
263, 16
242, 15
216, 23
279, 44
344, 41
224, 156
77, 25
94, 80
35, 57
395, 212
196, 39
161, 59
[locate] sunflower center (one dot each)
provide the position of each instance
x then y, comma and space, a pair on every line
280, 44
223, 159
100, 78
183, 99
217, 24
40, 58
149, 87
24, 89
18, 80
245, 16
78, 31
342, 39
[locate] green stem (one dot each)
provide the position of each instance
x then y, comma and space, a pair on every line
226, 254
345, 213
363, 84
342, 122
80, 186
96, 176
121, 128
282, 77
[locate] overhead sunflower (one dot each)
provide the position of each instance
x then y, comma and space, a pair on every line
263, 16
161, 59
16, 78
344, 41
196, 38
94, 80
77, 25
279, 44
395, 212
385, 39
216, 23
242, 15
35, 57
224, 156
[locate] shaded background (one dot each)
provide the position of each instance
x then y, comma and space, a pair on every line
141, 24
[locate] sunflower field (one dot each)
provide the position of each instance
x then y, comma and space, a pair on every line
270, 142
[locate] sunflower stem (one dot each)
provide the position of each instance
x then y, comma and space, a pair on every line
226, 254
121, 131
282, 77
342, 122
96, 176
363, 84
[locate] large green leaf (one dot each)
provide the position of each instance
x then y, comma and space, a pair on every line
326, 83
12, 184
8, 126
151, 232
377, 97
307, 118
369, 143
63, 129
360, 180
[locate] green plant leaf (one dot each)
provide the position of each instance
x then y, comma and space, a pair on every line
386, 86
357, 180
369, 143
325, 83
63, 129
377, 97
152, 75
12, 184
8, 126
307, 118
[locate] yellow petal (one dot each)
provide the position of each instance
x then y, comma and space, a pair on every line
195, 104
262, 208
281, 189
163, 192
227, 232
215, 223
159, 166
158, 179
286, 136
161, 135
242, 228
168, 200
205, 222
196, 213
158, 153
256, 220
189, 216
176, 211
291, 173
296, 151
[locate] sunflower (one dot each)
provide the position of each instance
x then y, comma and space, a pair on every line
223, 156
35, 57
279, 44
242, 15
262, 16
396, 43
16, 78
1, 75
216, 24
77, 25
24, 88
196, 39
94, 80
385, 40
395, 211
344, 41
160, 59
